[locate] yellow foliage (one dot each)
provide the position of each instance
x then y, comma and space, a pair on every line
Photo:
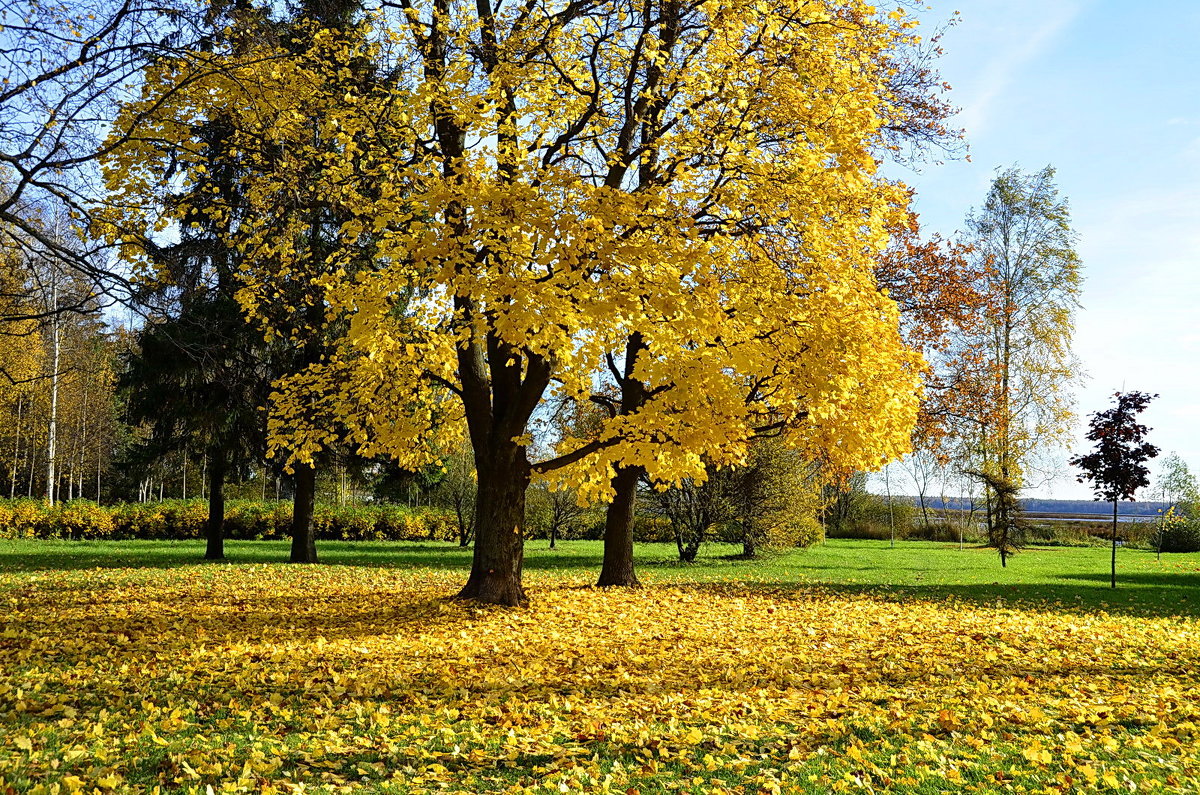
280, 679
512, 220
20, 340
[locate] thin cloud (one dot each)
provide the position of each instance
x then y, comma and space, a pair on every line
1016, 48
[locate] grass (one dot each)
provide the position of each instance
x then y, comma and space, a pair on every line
852, 666
1076, 577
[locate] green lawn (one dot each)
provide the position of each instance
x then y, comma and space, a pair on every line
1073, 577
132, 667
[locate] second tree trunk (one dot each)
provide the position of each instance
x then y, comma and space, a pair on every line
214, 527
304, 540
618, 531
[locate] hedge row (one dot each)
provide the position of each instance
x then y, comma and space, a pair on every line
244, 519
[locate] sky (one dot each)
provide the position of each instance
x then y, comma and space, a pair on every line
1109, 94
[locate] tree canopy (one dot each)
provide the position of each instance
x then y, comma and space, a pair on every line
536, 184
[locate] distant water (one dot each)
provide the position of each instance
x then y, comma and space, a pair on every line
1128, 511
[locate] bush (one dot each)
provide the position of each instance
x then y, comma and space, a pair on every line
79, 519
869, 517
20, 518
1180, 533
649, 530
1061, 534
244, 519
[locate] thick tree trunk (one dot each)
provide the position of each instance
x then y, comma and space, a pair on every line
304, 541
503, 477
214, 527
749, 541
553, 534
618, 531
688, 553
618, 520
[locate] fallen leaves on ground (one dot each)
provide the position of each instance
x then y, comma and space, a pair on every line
336, 679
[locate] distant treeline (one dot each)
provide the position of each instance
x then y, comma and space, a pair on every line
1034, 505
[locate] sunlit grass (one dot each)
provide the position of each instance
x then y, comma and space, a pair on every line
850, 666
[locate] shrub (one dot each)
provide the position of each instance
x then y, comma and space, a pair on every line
648, 529
869, 517
1180, 533
244, 519
79, 519
20, 518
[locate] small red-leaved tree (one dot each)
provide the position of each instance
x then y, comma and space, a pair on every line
1116, 467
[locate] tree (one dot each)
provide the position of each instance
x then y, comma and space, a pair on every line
198, 380
1176, 481
66, 67
555, 512
774, 499
200, 373
693, 507
1178, 517
456, 490
915, 124
1006, 527
1117, 465
55, 364
946, 299
1023, 235
537, 185
922, 467
176, 134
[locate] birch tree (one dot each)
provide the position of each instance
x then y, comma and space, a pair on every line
1023, 234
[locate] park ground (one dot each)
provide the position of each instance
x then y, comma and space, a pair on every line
851, 666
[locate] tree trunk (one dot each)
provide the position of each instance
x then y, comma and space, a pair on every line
503, 477
749, 539
618, 531
553, 533
618, 519
460, 515
688, 553
1114, 545
12, 486
214, 527
304, 541
52, 432
891, 514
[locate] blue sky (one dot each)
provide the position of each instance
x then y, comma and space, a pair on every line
1109, 94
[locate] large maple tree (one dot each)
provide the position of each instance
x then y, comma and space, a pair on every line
681, 194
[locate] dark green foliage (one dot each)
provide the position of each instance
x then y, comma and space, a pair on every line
1180, 529
1007, 527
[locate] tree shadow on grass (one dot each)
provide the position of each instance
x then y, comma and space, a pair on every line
1181, 581
217, 617
1172, 598
77, 555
